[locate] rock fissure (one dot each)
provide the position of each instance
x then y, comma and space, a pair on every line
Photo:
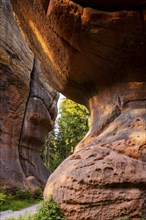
39, 118
28, 161
26, 105
105, 202
115, 186
37, 97
24, 121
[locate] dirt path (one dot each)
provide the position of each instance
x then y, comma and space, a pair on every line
16, 214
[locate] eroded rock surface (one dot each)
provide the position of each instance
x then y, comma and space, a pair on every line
39, 119
94, 53
83, 50
106, 178
28, 108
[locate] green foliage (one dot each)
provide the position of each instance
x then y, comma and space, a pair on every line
47, 211
27, 216
22, 194
18, 199
71, 127
3, 198
72, 124
16, 204
38, 194
10, 218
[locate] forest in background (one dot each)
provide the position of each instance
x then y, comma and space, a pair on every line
71, 126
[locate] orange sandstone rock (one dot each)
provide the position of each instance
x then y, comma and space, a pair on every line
27, 109
94, 52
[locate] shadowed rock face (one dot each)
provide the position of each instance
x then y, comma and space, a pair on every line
28, 108
39, 119
95, 55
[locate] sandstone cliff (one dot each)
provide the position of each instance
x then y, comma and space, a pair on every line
28, 108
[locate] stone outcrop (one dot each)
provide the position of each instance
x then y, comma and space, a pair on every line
94, 53
106, 178
27, 106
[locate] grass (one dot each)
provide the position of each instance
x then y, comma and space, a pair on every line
27, 216
17, 204
48, 210
19, 199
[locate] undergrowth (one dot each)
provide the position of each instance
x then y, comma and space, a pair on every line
48, 210
18, 199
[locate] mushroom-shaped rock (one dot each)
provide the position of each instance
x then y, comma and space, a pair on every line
94, 52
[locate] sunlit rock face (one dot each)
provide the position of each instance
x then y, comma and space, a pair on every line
28, 109
94, 52
82, 49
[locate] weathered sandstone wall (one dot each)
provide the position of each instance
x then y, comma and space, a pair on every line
27, 108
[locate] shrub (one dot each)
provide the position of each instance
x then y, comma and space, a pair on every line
3, 198
18, 199
22, 194
49, 211
38, 194
27, 216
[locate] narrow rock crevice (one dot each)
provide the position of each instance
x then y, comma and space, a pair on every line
24, 158
37, 97
39, 117
21, 131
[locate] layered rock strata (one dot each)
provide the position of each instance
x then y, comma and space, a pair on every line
94, 53
28, 108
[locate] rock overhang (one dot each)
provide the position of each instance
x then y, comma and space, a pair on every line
83, 47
